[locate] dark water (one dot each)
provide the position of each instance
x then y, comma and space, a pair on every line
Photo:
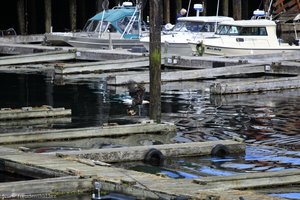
269, 122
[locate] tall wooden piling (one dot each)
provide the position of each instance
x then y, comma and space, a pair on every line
73, 13
166, 11
237, 9
155, 60
21, 16
48, 20
225, 8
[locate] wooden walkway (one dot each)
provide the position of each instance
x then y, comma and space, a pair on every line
33, 112
92, 132
72, 175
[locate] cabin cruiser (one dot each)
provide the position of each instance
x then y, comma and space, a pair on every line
119, 27
243, 37
176, 40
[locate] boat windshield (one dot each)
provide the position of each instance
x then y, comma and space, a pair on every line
129, 25
239, 30
94, 26
189, 26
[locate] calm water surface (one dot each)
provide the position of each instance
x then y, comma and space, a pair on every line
269, 122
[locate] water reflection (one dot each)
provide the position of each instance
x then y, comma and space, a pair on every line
268, 122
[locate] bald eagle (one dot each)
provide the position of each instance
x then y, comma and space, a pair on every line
137, 93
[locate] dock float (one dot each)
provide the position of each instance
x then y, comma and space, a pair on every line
33, 112
79, 133
190, 74
255, 86
102, 66
168, 150
61, 176
37, 57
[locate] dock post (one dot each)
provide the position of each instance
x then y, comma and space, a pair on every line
21, 16
48, 21
155, 60
225, 9
73, 14
166, 11
237, 9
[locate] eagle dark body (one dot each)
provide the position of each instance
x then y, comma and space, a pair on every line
137, 92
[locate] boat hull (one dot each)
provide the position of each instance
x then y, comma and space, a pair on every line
170, 49
231, 51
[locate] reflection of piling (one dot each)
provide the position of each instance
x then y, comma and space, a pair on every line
155, 60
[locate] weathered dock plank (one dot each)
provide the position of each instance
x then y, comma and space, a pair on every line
33, 112
191, 74
255, 86
49, 188
118, 130
102, 66
252, 180
37, 57
168, 150
35, 38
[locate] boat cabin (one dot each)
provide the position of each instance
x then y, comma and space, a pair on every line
199, 23
261, 30
121, 20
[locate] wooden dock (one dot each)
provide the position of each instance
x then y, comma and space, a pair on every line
79, 133
33, 112
59, 176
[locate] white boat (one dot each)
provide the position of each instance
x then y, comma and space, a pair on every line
119, 27
243, 37
176, 40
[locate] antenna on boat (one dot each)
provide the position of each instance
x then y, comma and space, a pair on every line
188, 11
217, 14
105, 5
269, 10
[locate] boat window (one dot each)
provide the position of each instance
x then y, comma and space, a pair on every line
234, 30
103, 26
253, 31
187, 26
223, 29
132, 28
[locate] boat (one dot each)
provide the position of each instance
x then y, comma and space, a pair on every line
119, 27
191, 28
243, 37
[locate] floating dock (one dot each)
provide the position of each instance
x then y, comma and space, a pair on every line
69, 174
33, 112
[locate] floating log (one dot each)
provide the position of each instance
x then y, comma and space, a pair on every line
117, 130
33, 112
255, 86
168, 150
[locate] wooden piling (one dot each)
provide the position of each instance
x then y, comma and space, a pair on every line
48, 15
225, 8
237, 9
73, 14
167, 11
21, 16
155, 60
